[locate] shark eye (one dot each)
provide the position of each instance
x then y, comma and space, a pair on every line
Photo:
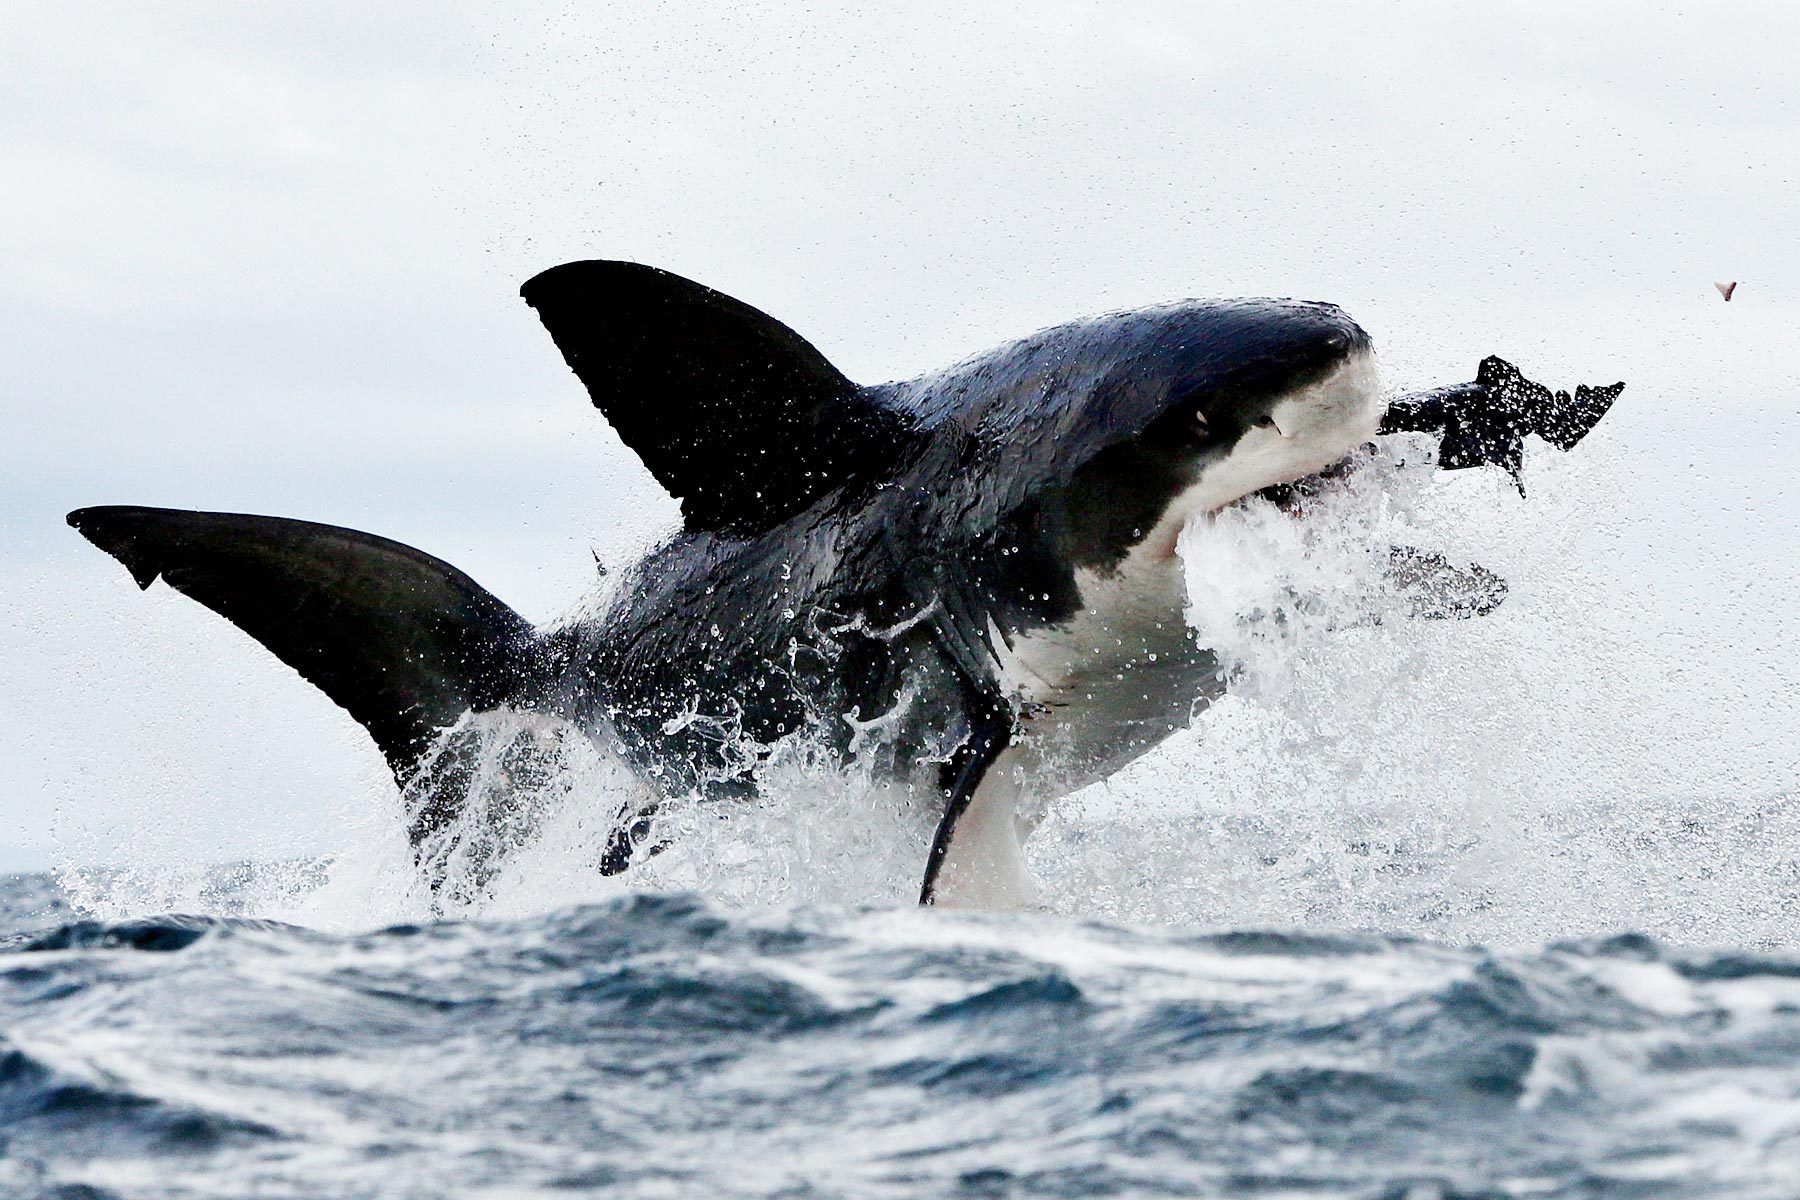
1266, 423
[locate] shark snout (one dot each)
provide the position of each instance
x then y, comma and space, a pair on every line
1337, 411
1298, 432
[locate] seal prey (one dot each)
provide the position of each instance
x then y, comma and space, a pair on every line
965, 583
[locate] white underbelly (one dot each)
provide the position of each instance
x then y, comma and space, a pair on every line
1125, 671
1110, 683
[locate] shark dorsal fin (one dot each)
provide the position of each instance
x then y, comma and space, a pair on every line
738, 416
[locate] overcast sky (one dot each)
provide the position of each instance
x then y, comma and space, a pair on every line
266, 258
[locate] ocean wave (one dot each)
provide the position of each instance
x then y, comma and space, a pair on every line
661, 1045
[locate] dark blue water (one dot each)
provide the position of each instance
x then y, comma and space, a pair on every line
660, 1046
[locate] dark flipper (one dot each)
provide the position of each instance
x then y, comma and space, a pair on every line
404, 642
1485, 422
993, 731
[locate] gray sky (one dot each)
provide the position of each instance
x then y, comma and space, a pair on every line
265, 258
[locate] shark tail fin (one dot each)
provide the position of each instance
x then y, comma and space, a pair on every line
402, 641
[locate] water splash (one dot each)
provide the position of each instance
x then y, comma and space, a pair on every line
1528, 774
543, 803
1590, 757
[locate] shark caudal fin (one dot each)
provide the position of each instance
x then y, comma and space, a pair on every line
403, 642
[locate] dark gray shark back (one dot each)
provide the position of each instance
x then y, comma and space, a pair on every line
1033, 413
748, 425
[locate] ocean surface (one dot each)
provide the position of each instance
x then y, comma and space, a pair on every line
662, 1045
1421, 910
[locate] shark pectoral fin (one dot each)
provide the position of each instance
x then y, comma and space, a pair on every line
738, 416
975, 860
960, 623
402, 641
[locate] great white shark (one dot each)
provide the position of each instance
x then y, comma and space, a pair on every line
978, 565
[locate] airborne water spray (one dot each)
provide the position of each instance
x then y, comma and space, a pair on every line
1509, 778
1512, 778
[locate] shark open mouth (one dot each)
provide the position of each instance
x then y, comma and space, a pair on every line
1293, 497
1359, 560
